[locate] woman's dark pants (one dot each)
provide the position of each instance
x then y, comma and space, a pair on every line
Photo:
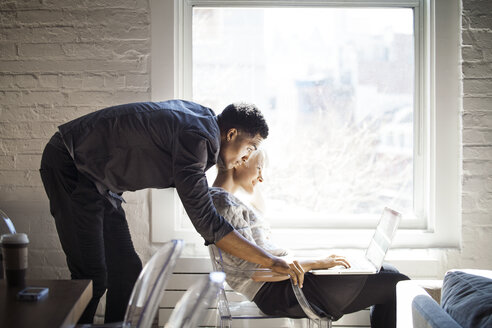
335, 295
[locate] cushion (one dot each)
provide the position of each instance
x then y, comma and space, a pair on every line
468, 299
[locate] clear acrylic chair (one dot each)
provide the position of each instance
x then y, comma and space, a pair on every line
201, 295
6, 225
149, 288
242, 310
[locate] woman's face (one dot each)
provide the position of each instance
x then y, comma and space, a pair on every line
249, 175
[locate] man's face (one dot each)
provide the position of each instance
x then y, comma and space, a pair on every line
237, 146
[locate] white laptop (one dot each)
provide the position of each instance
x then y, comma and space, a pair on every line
376, 251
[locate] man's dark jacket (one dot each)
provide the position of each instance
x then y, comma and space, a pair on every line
151, 145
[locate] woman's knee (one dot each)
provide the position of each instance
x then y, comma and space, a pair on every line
388, 268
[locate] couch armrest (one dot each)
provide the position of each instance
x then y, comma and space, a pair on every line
406, 291
426, 313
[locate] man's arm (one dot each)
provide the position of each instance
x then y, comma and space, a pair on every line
306, 264
235, 244
191, 154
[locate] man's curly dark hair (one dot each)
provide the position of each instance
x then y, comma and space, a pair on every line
244, 117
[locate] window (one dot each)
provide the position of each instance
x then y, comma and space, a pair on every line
337, 88
349, 93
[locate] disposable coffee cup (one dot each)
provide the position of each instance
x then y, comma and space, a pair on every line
14, 251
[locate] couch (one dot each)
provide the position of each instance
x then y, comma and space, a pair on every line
462, 299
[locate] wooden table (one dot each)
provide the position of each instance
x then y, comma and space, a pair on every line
62, 307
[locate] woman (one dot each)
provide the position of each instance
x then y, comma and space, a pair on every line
329, 295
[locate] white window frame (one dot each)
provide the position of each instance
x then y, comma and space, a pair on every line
437, 108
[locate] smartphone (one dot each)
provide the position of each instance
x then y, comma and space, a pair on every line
32, 293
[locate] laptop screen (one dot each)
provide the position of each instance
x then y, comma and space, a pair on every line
381, 240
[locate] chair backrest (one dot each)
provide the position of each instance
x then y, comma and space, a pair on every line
219, 265
216, 258
150, 285
190, 308
6, 225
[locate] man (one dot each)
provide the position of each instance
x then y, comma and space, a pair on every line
92, 160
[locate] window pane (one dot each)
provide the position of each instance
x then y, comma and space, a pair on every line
337, 88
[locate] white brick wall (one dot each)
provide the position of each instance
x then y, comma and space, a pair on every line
60, 59
477, 134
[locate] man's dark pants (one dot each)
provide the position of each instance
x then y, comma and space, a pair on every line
94, 234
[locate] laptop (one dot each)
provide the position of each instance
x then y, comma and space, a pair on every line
376, 251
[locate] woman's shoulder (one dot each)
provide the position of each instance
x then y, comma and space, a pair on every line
223, 199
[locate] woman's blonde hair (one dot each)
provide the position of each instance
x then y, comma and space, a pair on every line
264, 158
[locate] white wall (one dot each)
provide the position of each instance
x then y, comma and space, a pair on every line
60, 59
477, 135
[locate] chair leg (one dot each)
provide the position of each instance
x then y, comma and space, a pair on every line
319, 323
290, 323
225, 323
325, 323
222, 322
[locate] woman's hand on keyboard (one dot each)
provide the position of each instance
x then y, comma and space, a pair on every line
324, 263
332, 261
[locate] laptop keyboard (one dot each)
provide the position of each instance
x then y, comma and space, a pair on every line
357, 263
